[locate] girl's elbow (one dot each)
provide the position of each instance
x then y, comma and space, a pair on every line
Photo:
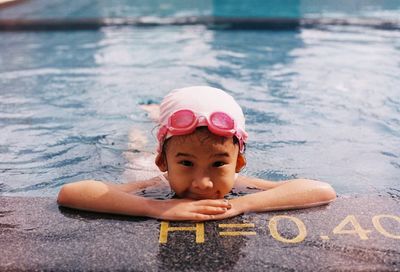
322, 191
70, 193
63, 195
327, 193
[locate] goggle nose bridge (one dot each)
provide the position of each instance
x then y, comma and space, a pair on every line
202, 119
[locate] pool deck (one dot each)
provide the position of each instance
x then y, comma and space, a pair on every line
352, 234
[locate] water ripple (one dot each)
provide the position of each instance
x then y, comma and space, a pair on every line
49, 156
254, 116
67, 162
90, 140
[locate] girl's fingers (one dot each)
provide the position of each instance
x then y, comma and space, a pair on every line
222, 203
197, 210
209, 210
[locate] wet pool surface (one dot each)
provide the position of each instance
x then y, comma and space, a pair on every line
353, 234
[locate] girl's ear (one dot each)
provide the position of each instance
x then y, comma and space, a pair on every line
161, 162
240, 162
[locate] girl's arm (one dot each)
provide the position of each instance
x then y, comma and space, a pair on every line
91, 195
261, 184
291, 194
135, 186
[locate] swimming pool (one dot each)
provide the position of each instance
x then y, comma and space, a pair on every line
320, 102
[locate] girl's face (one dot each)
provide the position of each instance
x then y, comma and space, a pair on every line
201, 165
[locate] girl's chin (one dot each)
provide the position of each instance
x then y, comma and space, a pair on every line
199, 196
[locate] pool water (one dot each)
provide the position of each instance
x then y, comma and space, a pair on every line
320, 103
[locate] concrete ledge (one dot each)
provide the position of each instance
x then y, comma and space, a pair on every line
228, 23
357, 233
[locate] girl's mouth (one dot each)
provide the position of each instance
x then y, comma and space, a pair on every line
199, 196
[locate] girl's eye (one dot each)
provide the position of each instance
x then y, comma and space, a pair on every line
218, 164
186, 163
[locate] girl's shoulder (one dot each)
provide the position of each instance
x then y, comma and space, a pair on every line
137, 185
257, 183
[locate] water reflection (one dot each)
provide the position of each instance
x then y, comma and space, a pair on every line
255, 73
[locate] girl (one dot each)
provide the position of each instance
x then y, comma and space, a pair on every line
201, 144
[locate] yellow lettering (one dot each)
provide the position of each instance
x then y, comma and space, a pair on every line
273, 228
362, 233
165, 228
237, 233
324, 237
377, 224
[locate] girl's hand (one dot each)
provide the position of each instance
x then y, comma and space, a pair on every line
238, 206
187, 209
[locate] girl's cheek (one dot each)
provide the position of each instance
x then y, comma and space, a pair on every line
225, 173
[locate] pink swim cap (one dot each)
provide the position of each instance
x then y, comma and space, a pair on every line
203, 101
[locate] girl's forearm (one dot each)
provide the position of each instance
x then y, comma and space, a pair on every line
134, 186
97, 196
295, 194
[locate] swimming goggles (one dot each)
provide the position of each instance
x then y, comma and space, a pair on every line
185, 121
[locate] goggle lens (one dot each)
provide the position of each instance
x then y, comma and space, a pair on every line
182, 119
222, 121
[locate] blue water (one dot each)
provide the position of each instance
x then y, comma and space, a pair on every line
320, 103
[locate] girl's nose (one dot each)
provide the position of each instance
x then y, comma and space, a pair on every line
202, 183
